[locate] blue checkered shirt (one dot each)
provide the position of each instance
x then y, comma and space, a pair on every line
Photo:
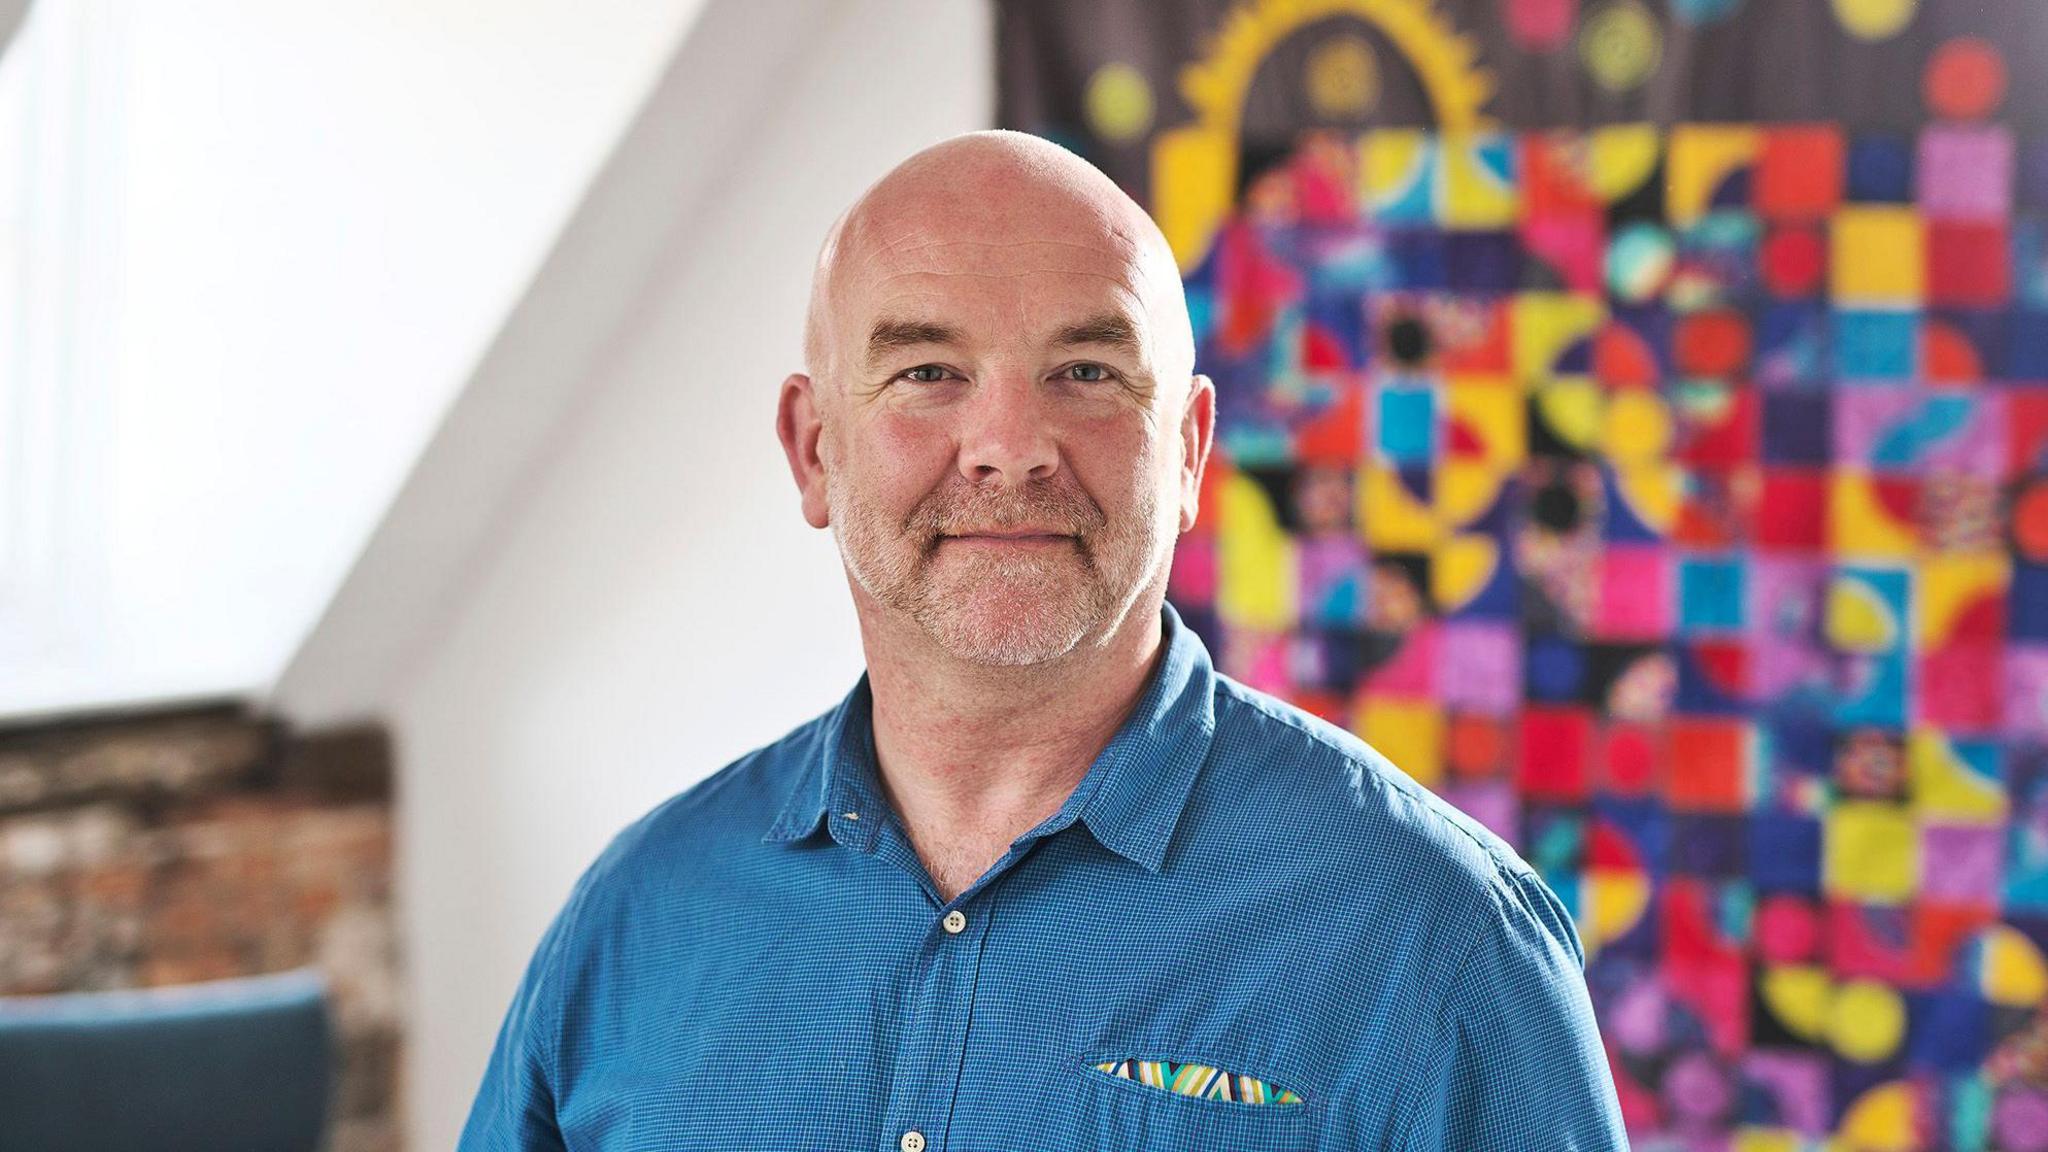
1238, 894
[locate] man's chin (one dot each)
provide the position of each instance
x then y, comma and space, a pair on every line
1006, 631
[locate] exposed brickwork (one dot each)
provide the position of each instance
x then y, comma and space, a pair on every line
139, 851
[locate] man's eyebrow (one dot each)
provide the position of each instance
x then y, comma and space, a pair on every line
1108, 328
889, 335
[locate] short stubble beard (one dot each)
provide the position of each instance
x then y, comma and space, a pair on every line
990, 607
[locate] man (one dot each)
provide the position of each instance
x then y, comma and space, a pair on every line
1044, 879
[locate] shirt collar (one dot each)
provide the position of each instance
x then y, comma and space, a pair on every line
1131, 798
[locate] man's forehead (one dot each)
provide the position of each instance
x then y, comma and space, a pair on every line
993, 232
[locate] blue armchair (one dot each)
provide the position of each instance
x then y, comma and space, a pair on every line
231, 1064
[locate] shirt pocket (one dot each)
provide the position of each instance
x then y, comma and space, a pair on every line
1115, 1112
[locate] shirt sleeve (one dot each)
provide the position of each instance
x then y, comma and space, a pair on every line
1517, 1061
514, 1110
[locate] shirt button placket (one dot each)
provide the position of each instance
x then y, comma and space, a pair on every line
937, 1029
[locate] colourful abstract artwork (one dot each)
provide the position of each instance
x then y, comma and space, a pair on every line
1668, 491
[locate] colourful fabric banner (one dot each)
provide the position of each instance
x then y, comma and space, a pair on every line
1633, 420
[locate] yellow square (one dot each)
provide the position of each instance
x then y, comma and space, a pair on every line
1390, 516
1408, 732
1477, 192
1870, 853
1702, 157
1191, 190
1546, 324
1877, 256
1861, 526
1486, 423
1395, 165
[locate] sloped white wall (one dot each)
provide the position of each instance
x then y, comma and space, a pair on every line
265, 243
651, 604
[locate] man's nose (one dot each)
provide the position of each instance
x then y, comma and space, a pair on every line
1008, 433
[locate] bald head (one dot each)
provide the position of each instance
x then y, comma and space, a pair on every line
1009, 194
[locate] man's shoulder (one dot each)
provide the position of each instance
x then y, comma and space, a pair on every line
1350, 805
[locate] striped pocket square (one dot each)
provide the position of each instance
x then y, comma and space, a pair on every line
1200, 1080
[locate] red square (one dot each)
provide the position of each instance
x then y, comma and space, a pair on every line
1629, 755
1709, 765
2026, 414
1962, 686
1557, 176
1969, 265
1479, 747
1555, 747
1793, 512
1800, 174
1724, 433
1716, 508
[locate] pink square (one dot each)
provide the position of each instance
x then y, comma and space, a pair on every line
2026, 691
1480, 666
1192, 579
1635, 593
1962, 863
1960, 686
1411, 671
1965, 172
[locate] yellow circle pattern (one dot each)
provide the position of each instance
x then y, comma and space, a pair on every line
1343, 79
1866, 1021
1118, 103
1621, 45
1875, 19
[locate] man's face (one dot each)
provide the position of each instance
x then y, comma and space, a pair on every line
1004, 451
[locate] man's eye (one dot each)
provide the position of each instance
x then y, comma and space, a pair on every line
924, 374
1089, 373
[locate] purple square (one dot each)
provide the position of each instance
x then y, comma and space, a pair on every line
1965, 172
1792, 1089
1974, 443
1786, 600
1481, 669
1868, 415
2026, 690
1962, 863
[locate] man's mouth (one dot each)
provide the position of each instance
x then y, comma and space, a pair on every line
1009, 536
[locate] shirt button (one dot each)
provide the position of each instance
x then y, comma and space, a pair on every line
954, 921
913, 1141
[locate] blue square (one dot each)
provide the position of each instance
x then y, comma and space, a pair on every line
2033, 174
1407, 424
1880, 170
1986, 333
1876, 345
1483, 262
1644, 824
2027, 348
1784, 853
1553, 669
1798, 427
1947, 1031
1792, 346
1710, 594
1418, 258
1698, 694
1708, 845
2029, 602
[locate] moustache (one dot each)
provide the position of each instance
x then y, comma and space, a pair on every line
963, 508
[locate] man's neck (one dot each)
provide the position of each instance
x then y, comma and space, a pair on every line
975, 756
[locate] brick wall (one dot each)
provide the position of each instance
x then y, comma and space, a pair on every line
159, 849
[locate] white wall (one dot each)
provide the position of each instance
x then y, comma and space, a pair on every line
266, 244
651, 604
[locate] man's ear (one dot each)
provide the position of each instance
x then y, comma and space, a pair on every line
1197, 431
798, 427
